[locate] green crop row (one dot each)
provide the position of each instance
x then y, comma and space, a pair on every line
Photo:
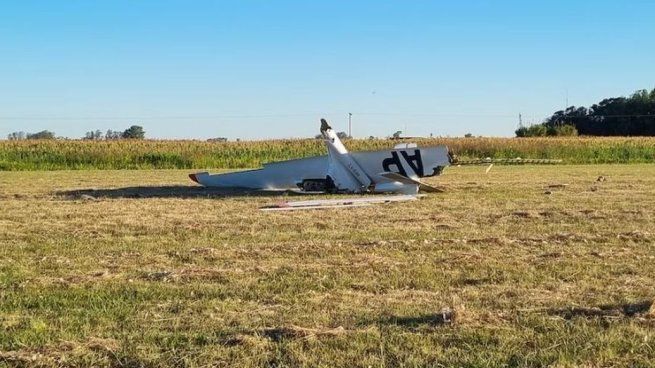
178, 154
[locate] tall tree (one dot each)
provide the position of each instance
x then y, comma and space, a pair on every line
134, 132
15, 136
44, 134
634, 115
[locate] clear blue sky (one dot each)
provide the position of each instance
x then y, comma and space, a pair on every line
260, 69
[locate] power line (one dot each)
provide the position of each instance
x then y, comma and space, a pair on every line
265, 116
174, 117
205, 117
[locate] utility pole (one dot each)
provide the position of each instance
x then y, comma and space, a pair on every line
350, 124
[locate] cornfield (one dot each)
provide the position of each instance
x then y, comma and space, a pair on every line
178, 154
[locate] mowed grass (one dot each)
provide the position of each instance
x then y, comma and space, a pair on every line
172, 154
494, 272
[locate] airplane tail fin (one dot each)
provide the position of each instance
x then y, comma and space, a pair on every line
343, 169
324, 126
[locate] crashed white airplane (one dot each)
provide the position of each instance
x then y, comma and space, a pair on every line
396, 170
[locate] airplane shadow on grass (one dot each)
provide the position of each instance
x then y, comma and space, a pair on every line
171, 191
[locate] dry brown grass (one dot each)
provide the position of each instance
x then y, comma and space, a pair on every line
131, 277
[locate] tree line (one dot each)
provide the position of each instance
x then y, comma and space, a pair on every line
133, 132
616, 116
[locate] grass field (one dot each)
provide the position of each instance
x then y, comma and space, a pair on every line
152, 154
135, 268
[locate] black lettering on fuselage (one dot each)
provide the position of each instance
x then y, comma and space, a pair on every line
395, 161
415, 163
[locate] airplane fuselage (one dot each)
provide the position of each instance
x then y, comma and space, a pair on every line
397, 170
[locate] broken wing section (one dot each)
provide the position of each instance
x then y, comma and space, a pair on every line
397, 178
282, 175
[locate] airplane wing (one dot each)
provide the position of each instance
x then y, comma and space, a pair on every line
274, 176
338, 203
